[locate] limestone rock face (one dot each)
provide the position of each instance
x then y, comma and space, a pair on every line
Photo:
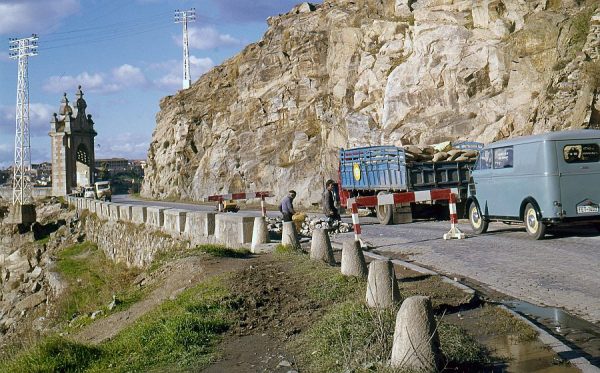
372, 72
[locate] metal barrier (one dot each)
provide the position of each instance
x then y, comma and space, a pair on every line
239, 196
408, 197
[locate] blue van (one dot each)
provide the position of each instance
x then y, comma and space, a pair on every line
541, 180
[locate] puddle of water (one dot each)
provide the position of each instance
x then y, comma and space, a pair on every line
525, 357
579, 334
517, 356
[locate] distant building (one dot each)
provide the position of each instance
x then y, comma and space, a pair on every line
113, 165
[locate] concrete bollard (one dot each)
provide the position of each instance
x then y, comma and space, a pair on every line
416, 344
382, 288
260, 233
289, 237
320, 247
353, 260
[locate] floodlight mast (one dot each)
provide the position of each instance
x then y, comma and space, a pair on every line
185, 16
21, 50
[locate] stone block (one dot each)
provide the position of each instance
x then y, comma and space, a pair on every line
155, 216
22, 214
125, 212
92, 206
113, 212
233, 230
139, 214
200, 226
174, 221
98, 207
103, 213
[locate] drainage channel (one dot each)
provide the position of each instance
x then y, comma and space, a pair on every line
581, 336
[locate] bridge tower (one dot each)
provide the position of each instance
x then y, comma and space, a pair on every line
72, 140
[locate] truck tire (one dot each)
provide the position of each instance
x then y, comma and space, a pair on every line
385, 213
478, 224
533, 224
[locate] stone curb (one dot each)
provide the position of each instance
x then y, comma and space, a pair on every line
546, 338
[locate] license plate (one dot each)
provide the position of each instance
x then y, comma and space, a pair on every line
587, 209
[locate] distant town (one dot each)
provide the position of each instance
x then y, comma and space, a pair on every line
105, 169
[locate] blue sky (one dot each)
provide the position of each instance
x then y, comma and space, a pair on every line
125, 54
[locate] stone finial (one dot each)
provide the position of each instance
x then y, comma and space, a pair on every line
353, 260
260, 233
416, 344
320, 247
382, 288
289, 237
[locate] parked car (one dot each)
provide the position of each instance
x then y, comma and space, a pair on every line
543, 181
89, 192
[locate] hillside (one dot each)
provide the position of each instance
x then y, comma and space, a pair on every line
368, 72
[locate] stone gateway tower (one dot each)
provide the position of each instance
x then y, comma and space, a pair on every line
72, 141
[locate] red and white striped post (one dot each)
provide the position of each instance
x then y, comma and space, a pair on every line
353, 206
454, 231
263, 209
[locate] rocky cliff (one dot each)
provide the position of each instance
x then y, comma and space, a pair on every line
368, 72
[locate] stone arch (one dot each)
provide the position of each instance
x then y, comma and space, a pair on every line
83, 166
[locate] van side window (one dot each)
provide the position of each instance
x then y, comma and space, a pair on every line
503, 157
581, 153
485, 160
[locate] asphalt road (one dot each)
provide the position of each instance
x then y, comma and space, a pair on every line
561, 271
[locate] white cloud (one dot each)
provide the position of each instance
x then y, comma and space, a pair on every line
39, 118
126, 145
207, 38
172, 80
120, 78
34, 16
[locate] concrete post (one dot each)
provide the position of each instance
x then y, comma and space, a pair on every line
416, 344
353, 260
382, 288
289, 236
260, 233
320, 247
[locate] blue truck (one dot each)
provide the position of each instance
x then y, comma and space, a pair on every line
375, 170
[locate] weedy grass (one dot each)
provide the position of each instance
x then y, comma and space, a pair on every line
222, 251
93, 279
501, 322
179, 335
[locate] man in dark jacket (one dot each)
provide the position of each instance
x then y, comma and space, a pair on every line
287, 207
329, 209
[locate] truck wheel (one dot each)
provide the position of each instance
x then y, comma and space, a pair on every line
534, 226
478, 224
385, 213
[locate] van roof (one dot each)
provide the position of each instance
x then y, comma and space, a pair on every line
549, 136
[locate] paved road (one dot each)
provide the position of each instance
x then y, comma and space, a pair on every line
561, 271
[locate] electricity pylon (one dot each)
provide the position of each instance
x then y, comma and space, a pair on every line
21, 50
185, 16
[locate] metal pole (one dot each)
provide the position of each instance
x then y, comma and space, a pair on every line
21, 49
185, 16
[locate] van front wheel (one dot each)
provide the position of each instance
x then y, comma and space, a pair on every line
535, 228
478, 224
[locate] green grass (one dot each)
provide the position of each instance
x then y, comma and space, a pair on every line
180, 334
222, 251
501, 322
92, 279
43, 241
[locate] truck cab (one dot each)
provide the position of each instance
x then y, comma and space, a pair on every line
543, 181
103, 190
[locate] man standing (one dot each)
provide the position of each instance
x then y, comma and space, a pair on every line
327, 200
287, 207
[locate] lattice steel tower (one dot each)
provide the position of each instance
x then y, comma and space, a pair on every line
185, 16
21, 50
